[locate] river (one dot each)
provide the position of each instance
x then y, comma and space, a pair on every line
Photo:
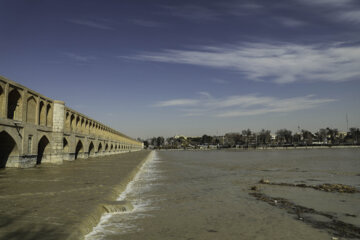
207, 195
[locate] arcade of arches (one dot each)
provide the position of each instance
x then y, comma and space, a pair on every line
35, 129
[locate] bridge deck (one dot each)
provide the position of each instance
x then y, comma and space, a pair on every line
62, 202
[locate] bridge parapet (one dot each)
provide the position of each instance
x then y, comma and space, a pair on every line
35, 129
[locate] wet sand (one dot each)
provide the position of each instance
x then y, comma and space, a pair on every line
62, 202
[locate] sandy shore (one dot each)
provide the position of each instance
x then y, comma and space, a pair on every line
62, 202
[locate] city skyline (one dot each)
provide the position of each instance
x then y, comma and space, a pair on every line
185, 68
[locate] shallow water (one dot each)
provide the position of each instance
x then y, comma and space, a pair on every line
205, 195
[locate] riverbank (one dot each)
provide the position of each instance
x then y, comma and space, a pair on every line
62, 202
266, 148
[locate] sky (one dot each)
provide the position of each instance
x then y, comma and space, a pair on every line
165, 68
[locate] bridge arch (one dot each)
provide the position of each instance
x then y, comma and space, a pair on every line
8, 147
91, 149
106, 147
14, 105
79, 149
72, 122
49, 115
43, 149
42, 114
77, 124
99, 148
31, 110
2, 101
65, 145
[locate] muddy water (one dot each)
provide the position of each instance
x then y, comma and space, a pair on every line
205, 195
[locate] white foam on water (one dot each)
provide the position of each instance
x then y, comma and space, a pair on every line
123, 222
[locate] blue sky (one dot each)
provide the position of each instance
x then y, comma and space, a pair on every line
157, 67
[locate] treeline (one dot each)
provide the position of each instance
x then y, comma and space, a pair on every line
264, 138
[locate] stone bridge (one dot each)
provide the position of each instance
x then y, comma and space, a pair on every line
35, 129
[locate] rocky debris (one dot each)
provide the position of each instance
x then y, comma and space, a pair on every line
254, 188
117, 206
333, 226
336, 188
327, 187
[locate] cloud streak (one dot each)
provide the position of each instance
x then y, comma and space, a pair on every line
343, 10
145, 23
243, 105
79, 58
91, 23
276, 62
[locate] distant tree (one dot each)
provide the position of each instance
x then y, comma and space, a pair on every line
146, 143
160, 141
355, 135
246, 135
322, 135
328, 135
284, 136
332, 134
264, 137
307, 136
232, 139
297, 138
154, 141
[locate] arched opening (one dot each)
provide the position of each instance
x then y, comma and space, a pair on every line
111, 147
100, 147
67, 121
43, 149
65, 145
106, 147
7, 148
72, 122
31, 110
79, 149
77, 123
42, 114
91, 149
14, 105
2, 102
48, 115
82, 125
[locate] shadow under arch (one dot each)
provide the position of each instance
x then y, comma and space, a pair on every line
65, 145
91, 149
14, 105
8, 147
79, 149
99, 148
106, 147
43, 148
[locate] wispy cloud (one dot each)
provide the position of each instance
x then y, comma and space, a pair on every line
243, 105
343, 10
79, 58
290, 22
192, 12
350, 16
205, 94
145, 23
329, 3
177, 102
212, 12
99, 24
277, 62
